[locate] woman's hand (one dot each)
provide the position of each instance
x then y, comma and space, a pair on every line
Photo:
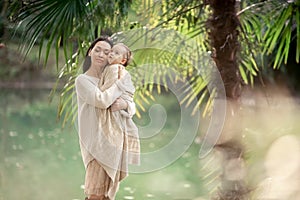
119, 104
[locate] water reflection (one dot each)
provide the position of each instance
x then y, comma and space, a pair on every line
40, 160
37, 156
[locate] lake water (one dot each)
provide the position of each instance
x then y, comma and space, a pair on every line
39, 160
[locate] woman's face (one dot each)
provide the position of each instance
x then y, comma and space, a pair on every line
99, 54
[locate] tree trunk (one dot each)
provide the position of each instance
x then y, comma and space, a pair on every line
223, 33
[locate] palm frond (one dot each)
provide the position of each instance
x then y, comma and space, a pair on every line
162, 58
42, 17
67, 23
165, 58
67, 26
274, 24
157, 64
67, 106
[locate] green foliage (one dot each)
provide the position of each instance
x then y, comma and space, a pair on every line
272, 26
164, 58
67, 26
191, 50
67, 23
67, 107
286, 19
267, 28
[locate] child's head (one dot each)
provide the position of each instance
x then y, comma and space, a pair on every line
120, 54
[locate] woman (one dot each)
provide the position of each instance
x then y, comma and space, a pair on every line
98, 154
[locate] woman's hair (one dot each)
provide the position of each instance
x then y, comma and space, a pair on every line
87, 62
128, 54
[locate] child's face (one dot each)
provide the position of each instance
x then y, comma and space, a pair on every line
117, 55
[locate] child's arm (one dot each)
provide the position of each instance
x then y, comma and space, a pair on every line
110, 76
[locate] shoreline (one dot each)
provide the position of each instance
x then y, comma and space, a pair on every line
28, 85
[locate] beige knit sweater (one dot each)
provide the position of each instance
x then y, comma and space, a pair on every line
109, 137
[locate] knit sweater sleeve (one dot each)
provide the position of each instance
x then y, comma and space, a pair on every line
110, 76
91, 94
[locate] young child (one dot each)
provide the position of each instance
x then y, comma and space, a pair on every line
119, 57
118, 126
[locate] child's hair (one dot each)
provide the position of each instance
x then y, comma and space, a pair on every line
128, 54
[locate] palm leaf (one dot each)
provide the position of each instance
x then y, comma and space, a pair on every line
42, 17
164, 58
67, 26
278, 21
67, 23
72, 23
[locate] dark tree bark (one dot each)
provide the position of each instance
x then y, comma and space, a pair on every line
223, 33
